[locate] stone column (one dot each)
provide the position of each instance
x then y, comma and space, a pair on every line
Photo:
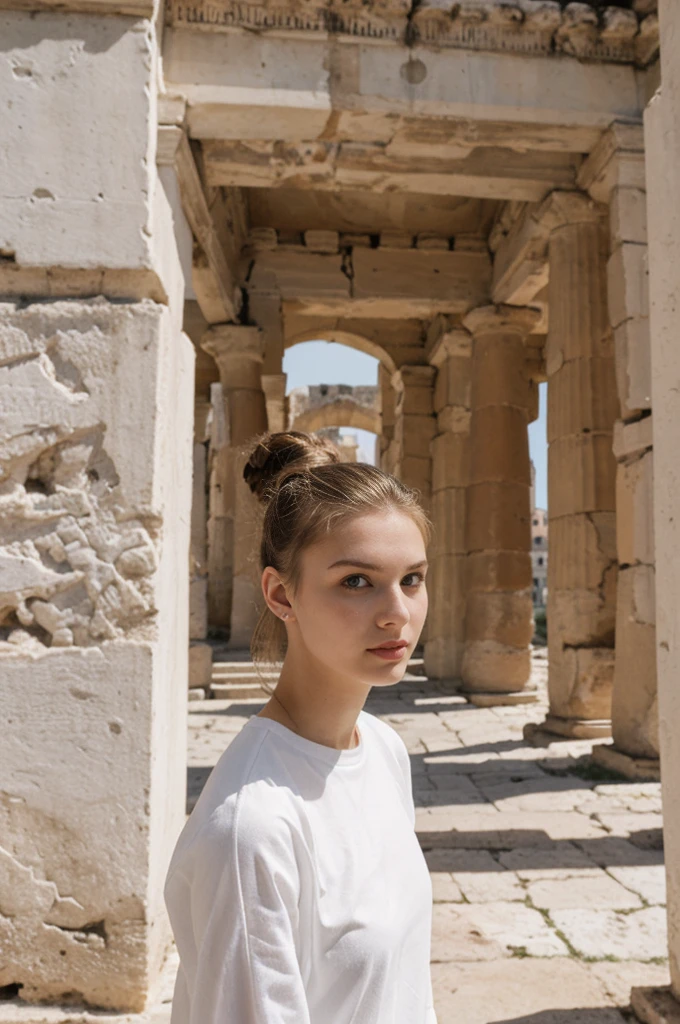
617, 170
499, 612
95, 464
200, 653
414, 428
662, 145
220, 515
449, 351
582, 407
238, 352
387, 418
274, 387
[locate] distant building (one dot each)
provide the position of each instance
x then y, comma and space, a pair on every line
539, 556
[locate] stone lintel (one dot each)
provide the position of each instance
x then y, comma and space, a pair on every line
501, 320
618, 160
230, 343
129, 8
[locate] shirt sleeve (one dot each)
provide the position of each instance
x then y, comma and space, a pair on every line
244, 896
405, 765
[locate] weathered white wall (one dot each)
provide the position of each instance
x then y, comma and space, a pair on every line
95, 495
662, 145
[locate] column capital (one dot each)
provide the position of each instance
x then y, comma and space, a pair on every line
228, 342
446, 338
562, 209
501, 320
617, 161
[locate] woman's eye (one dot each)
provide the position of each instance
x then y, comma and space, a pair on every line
413, 579
354, 582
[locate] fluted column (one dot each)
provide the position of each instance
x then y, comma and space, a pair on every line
582, 408
499, 610
449, 351
238, 352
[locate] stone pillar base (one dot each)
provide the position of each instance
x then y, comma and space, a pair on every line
655, 1005
641, 769
492, 700
200, 665
570, 728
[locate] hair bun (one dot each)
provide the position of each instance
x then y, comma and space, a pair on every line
277, 457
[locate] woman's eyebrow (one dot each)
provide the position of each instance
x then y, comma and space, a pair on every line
354, 564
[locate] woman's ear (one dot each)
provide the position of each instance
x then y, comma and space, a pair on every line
275, 595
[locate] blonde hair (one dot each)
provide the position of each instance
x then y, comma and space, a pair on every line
306, 490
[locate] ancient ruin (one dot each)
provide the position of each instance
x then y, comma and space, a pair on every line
483, 195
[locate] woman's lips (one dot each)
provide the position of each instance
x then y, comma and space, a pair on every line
389, 653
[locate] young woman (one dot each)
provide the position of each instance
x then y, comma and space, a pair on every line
298, 892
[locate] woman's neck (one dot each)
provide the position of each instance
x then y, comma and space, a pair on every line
316, 704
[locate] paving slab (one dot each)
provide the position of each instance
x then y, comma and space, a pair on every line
637, 935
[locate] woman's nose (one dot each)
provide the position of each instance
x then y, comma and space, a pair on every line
394, 608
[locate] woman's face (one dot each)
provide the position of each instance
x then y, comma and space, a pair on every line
361, 600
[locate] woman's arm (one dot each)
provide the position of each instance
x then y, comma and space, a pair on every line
241, 961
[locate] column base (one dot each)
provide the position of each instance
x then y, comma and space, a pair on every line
655, 1005
490, 699
640, 769
568, 729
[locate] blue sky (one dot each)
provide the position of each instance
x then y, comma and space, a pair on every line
320, 362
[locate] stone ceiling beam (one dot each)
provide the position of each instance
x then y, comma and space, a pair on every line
375, 283
483, 173
254, 85
215, 273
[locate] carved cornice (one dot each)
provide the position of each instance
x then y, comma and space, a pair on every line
532, 27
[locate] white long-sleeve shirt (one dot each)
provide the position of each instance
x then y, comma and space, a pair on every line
297, 891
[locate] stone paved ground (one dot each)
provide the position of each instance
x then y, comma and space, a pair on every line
547, 873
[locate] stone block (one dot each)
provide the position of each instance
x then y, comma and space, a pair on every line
582, 617
96, 440
627, 284
581, 681
414, 386
635, 510
632, 438
198, 608
98, 71
498, 372
581, 475
494, 668
504, 616
448, 516
640, 935
453, 419
322, 241
499, 570
413, 434
582, 398
200, 665
632, 346
416, 473
453, 382
628, 217
443, 657
446, 590
635, 715
498, 517
450, 461
582, 549
499, 444
117, 744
